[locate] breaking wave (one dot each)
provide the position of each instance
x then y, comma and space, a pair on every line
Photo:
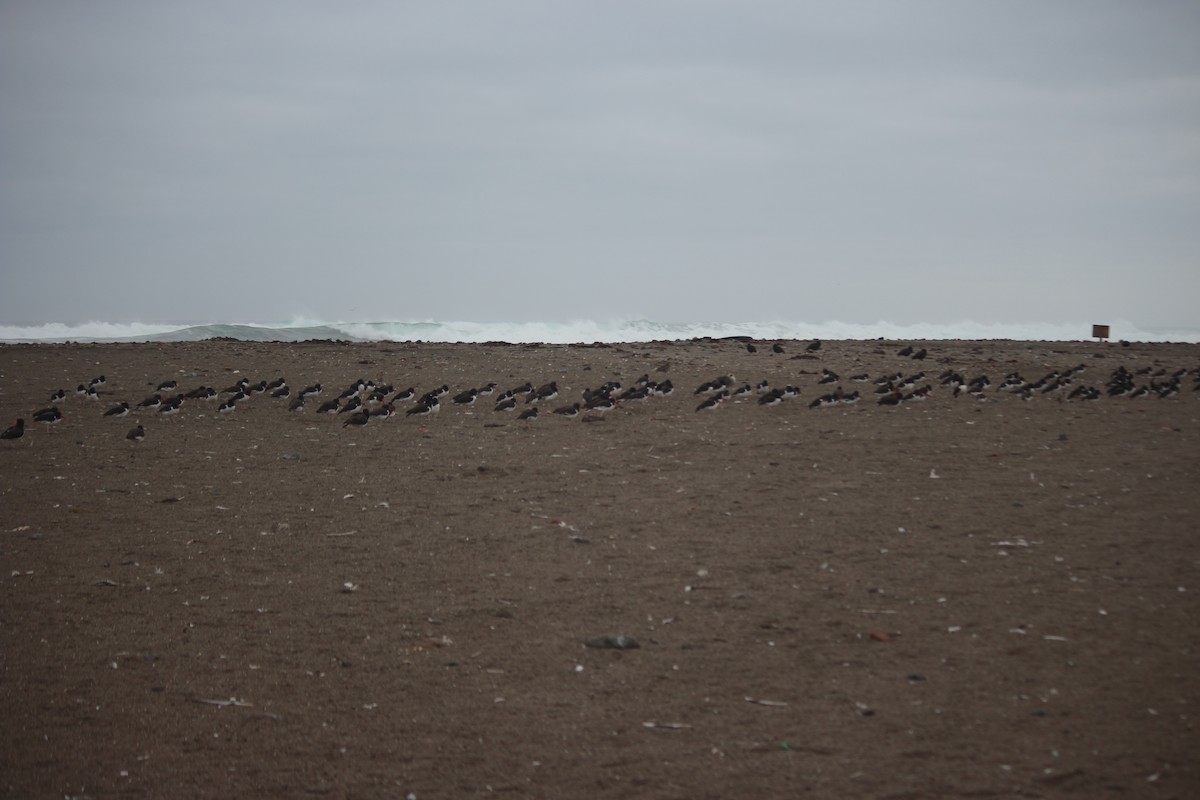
581, 331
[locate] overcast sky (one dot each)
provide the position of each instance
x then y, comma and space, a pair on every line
515, 160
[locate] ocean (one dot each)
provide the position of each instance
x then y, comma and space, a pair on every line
581, 331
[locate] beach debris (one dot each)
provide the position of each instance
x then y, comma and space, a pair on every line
879, 636
349, 588
769, 703
233, 701
618, 642
668, 726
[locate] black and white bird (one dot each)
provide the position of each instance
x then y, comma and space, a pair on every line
48, 416
118, 410
136, 434
425, 408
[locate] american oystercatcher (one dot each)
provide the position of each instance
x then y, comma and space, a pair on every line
118, 410
404, 395
48, 416
600, 402
360, 418
136, 434
171, 407
772, 398
424, 408
14, 431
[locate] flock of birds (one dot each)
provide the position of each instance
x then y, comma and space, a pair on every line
364, 400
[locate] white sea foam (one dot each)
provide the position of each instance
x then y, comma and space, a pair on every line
577, 331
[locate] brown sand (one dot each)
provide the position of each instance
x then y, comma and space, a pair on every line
818, 614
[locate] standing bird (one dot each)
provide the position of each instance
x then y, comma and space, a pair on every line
136, 434
48, 416
15, 431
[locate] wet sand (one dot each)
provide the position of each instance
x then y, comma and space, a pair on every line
957, 597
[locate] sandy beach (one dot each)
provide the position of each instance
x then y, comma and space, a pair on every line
971, 596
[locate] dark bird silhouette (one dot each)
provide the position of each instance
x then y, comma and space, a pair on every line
14, 431
358, 418
136, 434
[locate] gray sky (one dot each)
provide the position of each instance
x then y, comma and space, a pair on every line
680, 161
